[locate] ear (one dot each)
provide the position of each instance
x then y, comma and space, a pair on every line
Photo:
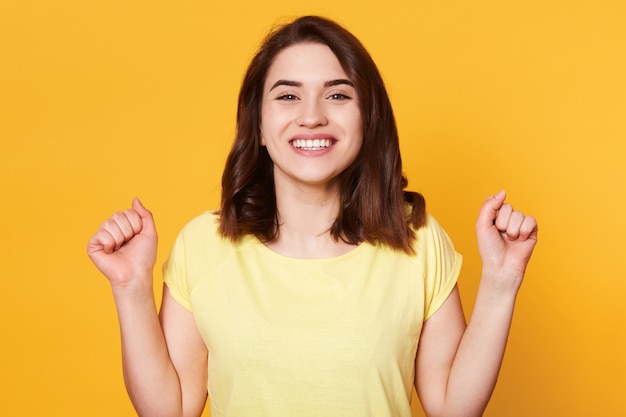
262, 137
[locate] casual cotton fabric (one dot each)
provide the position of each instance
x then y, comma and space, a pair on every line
309, 337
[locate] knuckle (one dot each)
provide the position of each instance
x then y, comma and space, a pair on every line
116, 217
109, 223
130, 213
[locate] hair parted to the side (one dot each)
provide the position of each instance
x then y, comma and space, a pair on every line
373, 199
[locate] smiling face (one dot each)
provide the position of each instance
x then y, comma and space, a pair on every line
310, 118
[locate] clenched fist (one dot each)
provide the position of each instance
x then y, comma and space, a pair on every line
124, 248
506, 239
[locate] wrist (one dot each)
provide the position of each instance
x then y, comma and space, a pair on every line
494, 301
502, 279
140, 285
498, 289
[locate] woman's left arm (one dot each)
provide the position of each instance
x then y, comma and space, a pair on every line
457, 366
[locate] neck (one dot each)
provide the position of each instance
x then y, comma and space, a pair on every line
306, 214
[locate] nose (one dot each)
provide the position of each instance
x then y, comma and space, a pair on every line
312, 114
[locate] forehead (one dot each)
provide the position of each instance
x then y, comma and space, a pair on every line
305, 62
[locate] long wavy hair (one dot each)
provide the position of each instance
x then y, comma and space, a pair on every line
374, 206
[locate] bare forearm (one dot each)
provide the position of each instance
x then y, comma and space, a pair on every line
458, 365
479, 357
149, 374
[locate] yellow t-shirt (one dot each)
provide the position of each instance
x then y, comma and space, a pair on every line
309, 337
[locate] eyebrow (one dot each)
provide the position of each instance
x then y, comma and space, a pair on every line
331, 83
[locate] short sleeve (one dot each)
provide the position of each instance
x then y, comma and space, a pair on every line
174, 273
442, 265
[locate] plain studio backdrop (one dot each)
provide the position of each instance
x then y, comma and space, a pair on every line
101, 101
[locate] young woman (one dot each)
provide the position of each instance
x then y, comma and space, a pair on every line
320, 287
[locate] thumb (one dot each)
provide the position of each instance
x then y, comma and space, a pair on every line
148, 226
489, 211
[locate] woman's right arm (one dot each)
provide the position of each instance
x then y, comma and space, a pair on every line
164, 358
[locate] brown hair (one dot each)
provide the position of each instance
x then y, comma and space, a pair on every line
372, 206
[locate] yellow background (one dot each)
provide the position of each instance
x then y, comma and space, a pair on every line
104, 100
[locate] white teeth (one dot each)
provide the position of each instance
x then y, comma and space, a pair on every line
311, 144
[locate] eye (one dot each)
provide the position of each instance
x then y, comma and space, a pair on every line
339, 96
287, 97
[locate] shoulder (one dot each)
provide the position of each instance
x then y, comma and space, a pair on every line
205, 223
201, 234
434, 249
431, 234
196, 247
440, 263
199, 247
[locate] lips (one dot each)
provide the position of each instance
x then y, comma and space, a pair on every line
311, 144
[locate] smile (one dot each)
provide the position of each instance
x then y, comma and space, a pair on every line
311, 144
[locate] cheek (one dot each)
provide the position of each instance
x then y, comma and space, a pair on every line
267, 126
